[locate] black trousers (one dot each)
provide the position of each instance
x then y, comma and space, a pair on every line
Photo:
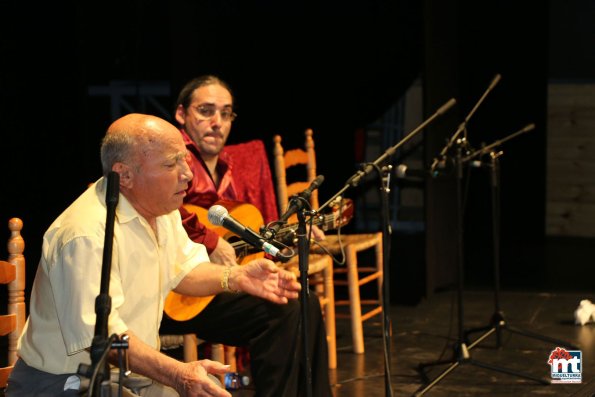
273, 335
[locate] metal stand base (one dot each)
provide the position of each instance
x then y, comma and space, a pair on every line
462, 356
499, 324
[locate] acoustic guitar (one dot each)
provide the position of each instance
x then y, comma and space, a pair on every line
183, 307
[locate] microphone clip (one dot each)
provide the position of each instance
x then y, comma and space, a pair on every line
296, 203
269, 231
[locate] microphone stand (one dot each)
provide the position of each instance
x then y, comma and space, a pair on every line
461, 354
461, 350
297, 205
99, 371
386, 231
498, 322
303, 252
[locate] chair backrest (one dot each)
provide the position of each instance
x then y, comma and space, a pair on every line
285, 162
12, 273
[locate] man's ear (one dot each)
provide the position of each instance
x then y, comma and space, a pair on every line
181, 115
126, 174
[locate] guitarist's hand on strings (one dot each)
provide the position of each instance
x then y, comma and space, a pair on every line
317, 233
261, 277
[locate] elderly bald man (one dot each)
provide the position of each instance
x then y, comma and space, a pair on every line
152, 255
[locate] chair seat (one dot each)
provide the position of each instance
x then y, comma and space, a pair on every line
359, 242
316, 264
171, 341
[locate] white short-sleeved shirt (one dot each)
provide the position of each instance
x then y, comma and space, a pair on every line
144, 269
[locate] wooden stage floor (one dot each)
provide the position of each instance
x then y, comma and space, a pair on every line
429, 331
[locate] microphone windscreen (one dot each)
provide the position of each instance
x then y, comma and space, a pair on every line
318, 181
451, 102
495, 81
529, 127
216, 214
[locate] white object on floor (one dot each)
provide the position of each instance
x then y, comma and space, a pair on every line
585, 312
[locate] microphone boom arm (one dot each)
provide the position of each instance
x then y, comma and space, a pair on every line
356, 178
497, 143
462, 127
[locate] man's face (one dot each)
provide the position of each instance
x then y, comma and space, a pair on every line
160, 175
208, 118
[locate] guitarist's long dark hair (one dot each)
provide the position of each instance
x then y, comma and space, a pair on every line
185, 96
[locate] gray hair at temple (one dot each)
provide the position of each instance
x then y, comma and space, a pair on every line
116, 147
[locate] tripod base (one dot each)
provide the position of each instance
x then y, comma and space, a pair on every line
462, 356
498, 323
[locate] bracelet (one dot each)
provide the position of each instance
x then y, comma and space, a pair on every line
225, 281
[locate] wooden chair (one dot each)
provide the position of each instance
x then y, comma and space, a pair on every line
352, 244
12, 273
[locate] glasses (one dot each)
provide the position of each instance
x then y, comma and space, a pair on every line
208, 111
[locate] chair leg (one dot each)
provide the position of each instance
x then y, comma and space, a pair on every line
230, 357
190, 348
329, 315
218, 352
357, 329
380, 266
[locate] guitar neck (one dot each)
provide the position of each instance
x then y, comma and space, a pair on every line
287, 234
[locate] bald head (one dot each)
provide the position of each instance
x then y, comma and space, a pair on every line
150, 156
132, 137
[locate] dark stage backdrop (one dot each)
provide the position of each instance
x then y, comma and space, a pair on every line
291, 68
472, 45
334, 68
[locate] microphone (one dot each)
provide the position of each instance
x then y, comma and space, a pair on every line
446, 106
313, 186
218, 215
527, 128
294, 206
495, 81
404, 172
437, 164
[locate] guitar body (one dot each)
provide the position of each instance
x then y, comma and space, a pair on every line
247, 214
182, 307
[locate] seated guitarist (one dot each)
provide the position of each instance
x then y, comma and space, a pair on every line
271, 332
